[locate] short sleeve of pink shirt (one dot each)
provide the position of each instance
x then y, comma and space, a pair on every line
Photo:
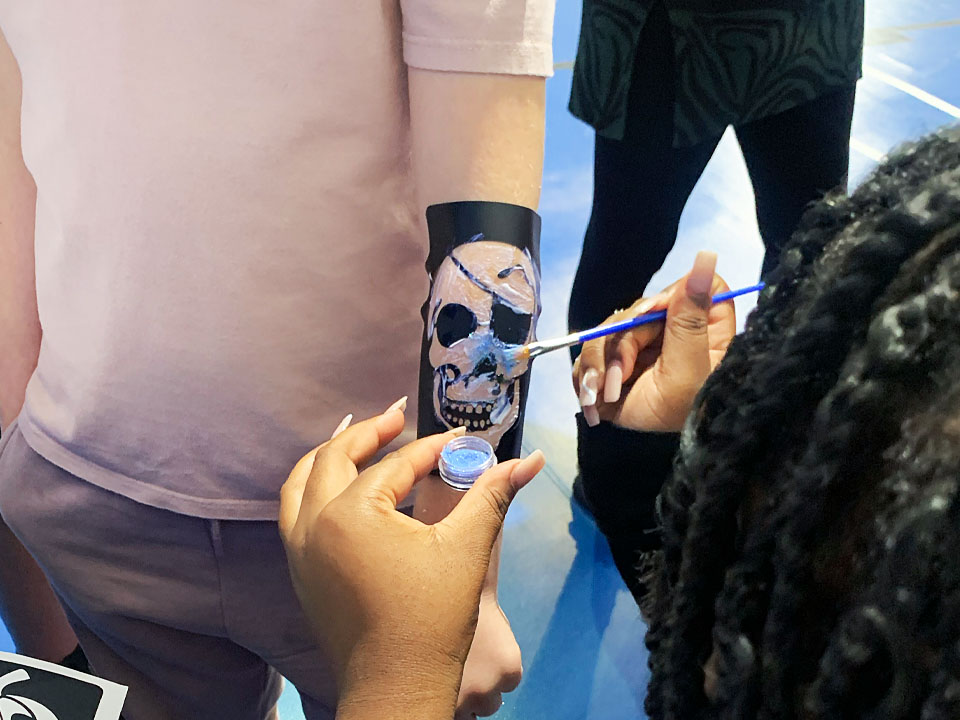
499, 36
229, 253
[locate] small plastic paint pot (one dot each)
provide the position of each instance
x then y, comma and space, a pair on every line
464, 459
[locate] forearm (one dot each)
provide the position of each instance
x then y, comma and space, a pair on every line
383, 682
19, 323
393, 708
393, 698
475, 137
381, 696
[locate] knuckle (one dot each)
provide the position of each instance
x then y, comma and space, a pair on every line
690, 323
511, 668
498, 500
482, 701
393, 456
327, 530
323, 456
592, 348
286, 526
396, 461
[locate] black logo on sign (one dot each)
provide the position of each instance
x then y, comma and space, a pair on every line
31, 692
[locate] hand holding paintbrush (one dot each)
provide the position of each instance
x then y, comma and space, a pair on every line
646, 377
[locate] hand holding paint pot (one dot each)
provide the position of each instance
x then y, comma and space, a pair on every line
392, 599
647, 378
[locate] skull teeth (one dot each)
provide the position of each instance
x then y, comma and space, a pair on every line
454, 415
475, 416
455, 421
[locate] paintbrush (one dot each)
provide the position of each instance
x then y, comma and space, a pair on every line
534, 349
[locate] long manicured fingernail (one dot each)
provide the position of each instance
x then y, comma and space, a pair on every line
400, 405
614, 382
591, 415
588, 387
527, 469
700, 279
344, 424
457, 431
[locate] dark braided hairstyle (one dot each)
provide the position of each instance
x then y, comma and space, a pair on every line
812, 525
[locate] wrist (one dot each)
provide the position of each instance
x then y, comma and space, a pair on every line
393, 703
391, 682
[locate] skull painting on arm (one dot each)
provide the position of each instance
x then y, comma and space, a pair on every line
484, 303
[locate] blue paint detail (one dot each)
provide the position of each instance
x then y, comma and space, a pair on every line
579, 630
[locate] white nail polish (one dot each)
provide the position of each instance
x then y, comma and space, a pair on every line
344, 424
614, 383
588, 388
591, 415
400, 405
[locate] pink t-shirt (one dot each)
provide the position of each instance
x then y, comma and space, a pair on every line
229, 255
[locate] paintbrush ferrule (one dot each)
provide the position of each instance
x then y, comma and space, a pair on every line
544, 346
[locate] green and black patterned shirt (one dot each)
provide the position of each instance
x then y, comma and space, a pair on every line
736, 60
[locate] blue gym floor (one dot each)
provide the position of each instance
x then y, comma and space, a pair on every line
580, 632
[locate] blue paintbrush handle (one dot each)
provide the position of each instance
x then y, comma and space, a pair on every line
612, 328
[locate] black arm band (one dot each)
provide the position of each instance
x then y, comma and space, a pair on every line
484, 269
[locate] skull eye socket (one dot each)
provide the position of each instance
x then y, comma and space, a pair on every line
509, 326
454, 322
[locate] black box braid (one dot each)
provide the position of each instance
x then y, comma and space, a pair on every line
855, 339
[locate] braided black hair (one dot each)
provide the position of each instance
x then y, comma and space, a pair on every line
807, 527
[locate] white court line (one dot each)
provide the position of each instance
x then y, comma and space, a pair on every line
864, 149
913, 90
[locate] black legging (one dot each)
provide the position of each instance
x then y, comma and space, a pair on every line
641, 184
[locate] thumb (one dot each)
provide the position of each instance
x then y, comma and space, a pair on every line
477, 519
686, 344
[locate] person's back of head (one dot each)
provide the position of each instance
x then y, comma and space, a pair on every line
812, 526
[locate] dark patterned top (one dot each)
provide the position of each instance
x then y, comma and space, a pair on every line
736, 60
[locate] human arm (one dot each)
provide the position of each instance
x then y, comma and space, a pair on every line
27, 604
19, 322
642, 383
485, 143
477, 133
477, 137
370, 608
476, 90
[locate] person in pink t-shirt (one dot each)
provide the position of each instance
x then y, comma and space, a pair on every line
212, 247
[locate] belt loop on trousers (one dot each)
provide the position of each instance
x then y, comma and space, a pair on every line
216, 538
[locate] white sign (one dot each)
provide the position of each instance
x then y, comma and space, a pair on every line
37, 690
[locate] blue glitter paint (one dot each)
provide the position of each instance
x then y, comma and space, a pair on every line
508, 357
465, 459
